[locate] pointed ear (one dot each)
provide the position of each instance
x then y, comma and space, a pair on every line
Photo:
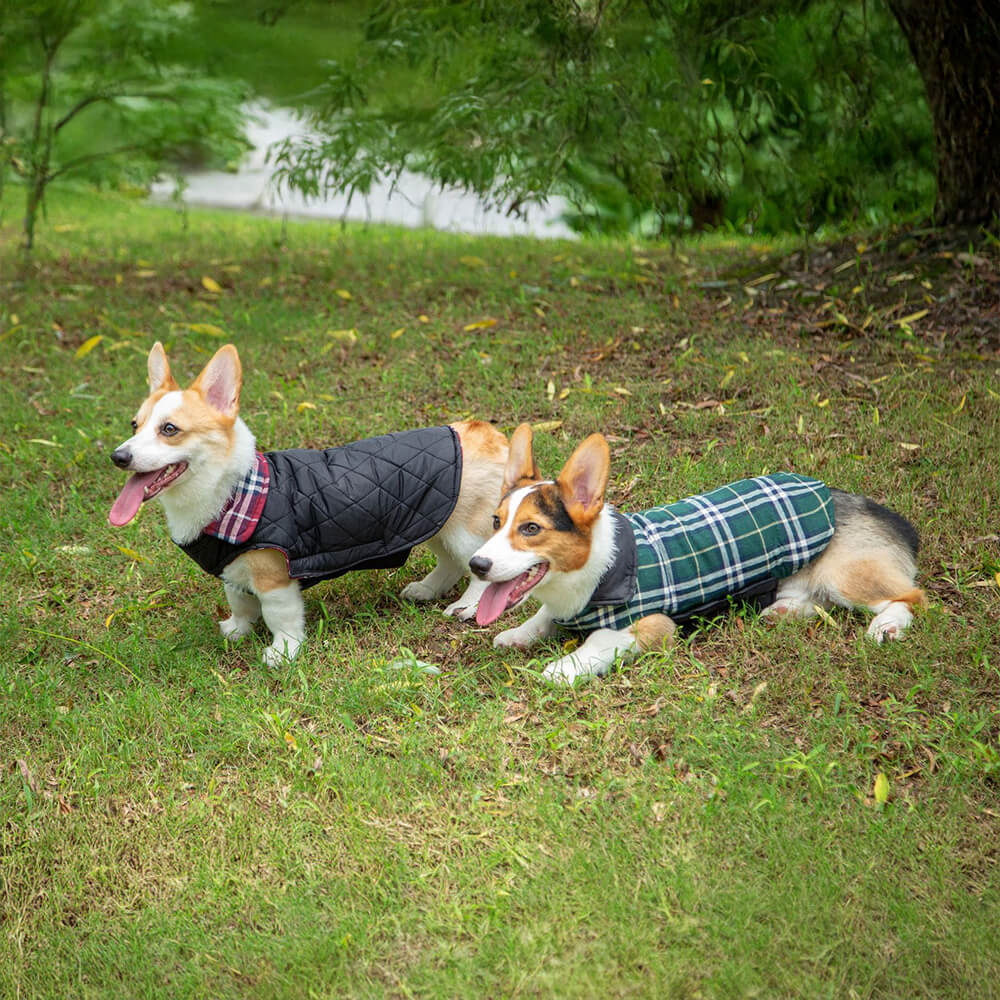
584, 478
520, 461
159, 370
220, 381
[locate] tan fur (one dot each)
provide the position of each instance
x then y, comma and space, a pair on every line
653, 632
147, 406
521, 469
584, 478
862, 565
159, 370
484, 456
566, 551
268, 569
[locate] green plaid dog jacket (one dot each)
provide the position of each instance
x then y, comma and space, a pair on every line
673, 559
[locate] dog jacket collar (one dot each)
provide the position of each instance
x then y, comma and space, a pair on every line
242, 510
677, 559
363, 505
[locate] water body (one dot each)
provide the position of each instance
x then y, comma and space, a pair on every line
413, 201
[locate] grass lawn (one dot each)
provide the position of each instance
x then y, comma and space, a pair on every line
177, 820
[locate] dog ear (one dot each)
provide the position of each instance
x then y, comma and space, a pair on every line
584, 478
220, 381
159, 370
521, 466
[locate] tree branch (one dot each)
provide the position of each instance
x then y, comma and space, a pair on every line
95, 98
79, 161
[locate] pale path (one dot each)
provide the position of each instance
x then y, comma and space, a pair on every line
414, 202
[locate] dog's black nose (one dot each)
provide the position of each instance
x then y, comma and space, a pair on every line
480, 566
122, 457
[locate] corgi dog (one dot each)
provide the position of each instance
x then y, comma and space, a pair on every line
271, 524
626, 580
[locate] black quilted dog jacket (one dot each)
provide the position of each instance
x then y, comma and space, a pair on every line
363, 505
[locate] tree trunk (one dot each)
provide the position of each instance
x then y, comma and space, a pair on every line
956, 46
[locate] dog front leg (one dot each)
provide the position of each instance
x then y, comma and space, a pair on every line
245, 611
593, 659
601, 648
284, 614
446, 573
539, 626
465, 607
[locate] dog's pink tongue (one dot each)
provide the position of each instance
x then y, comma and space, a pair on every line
493, 603
130, 499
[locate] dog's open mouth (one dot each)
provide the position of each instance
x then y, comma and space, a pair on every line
498, 597
141, 487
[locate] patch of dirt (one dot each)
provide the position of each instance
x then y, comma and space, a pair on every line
939, 285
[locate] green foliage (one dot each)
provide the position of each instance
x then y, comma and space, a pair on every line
662, 116
85, 91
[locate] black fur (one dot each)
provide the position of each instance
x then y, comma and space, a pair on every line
556, 512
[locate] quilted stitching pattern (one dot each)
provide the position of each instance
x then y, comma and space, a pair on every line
361, 505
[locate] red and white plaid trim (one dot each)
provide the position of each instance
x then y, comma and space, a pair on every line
242, 511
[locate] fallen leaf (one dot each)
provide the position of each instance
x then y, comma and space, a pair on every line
547, 425
480, 324
131, 553
396, 334
305, 405
209, 329
88, 345
881, 790
344, 294
29, 778
347, 336
210, 284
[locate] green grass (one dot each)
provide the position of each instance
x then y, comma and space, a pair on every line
176, 820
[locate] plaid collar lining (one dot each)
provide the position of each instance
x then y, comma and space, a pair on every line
242, 510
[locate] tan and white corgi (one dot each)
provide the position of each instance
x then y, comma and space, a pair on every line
271, 524
624, 580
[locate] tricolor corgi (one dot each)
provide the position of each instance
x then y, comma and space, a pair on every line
271, 524
625, 579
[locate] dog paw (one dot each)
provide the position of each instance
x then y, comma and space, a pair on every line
275, 656
235, 628
563, 671
418, 591
514, 638
891, 623
463, 612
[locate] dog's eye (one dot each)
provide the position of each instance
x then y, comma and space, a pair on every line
135, 425
496, 523
530, 528
169, 430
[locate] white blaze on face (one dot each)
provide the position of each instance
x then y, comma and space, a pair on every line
508, 561
149, 450
155, 463
513, 572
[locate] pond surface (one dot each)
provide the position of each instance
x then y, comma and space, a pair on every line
413, 201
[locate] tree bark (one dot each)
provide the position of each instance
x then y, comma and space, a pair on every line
956, 46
